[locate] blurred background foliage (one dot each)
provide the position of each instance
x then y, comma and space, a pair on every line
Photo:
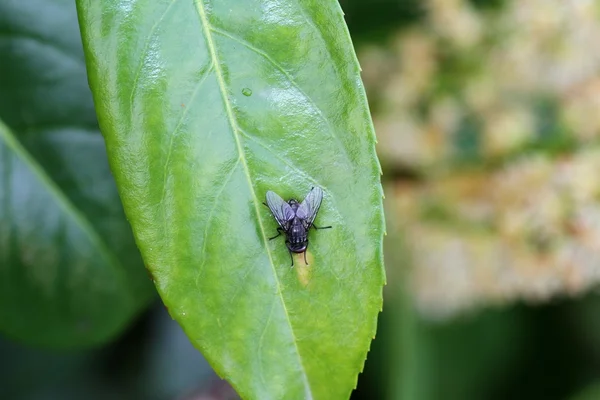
488, 125
488, 119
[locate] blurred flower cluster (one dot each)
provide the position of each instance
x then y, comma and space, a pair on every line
488, 123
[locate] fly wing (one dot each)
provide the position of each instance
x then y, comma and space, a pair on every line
281, 210
309, 208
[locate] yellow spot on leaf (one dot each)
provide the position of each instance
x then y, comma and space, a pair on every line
304, 271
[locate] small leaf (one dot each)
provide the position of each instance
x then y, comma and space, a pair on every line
70, 274
206, 105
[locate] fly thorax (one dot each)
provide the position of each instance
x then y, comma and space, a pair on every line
294, 204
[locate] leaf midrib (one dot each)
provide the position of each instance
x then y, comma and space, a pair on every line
206, 28
63, 201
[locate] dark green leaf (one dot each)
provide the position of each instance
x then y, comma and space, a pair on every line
70, 274
206, 105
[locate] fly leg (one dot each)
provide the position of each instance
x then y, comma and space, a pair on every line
305, 250
323, 227
287, 243
279, 230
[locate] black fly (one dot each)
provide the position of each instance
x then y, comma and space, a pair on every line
295, 219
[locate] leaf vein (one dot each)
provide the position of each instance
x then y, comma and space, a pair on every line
138, 72
236, 133
210, 215
260, 345
282, 159
278, 66
179, 122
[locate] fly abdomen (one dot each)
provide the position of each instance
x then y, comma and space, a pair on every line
297, 232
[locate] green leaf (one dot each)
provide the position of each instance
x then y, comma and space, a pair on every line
70, 274
206, 105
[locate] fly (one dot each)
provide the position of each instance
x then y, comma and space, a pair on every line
295, 219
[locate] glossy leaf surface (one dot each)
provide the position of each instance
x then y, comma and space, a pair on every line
207, 105
70, 274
